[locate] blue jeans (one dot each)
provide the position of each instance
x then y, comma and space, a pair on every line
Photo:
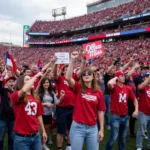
119, 127
143, 124
107, 103
80, 133
27, 143
4, 127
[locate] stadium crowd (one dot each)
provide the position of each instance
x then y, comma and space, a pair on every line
81, 35
123, 49
82, 99
90, 20
124, 69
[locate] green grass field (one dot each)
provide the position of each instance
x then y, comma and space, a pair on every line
130, 145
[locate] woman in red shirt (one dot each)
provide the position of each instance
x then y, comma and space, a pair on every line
28, 115
89, 103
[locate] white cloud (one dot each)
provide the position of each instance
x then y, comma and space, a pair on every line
11, 31
16, 13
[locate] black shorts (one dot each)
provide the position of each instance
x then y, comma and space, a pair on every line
47, 119
63, 119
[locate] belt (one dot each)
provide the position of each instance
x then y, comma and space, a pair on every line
121, 116
26, 135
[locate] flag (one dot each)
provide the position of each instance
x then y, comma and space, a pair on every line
39, 65
6, 73
93, 49
10, 62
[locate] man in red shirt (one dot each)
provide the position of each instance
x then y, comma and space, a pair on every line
65, 109
119, 123
144, 111
34, 71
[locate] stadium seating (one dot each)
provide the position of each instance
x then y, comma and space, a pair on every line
81, 35
123, 49
90, 20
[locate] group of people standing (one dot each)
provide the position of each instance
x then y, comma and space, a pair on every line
80, 101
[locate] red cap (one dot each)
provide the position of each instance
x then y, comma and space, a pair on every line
119, 73
10, 78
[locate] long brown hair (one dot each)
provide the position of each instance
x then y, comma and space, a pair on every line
19, 85
41, 90
94, 81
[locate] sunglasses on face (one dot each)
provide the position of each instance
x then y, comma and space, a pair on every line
87, 73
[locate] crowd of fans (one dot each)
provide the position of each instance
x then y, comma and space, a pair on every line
123, 49
75, 97
81, 35
90, 20
79, 96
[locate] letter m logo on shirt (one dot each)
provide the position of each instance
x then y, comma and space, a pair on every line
122, 97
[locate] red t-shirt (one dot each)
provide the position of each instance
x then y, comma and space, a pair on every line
26, 115
69, 98
144, 100
36, 82
119, 99
75, 77
87, 105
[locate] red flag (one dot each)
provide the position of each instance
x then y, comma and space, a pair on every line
10, 62
93, 49
39, 65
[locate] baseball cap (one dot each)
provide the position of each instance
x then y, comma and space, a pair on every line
10, 78
146, 74
119, 73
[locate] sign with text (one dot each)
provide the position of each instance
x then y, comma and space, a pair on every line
93, 49
62, 58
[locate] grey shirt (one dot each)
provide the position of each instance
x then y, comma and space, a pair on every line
47, 98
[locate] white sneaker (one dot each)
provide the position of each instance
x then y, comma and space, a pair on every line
139, 149
50, 142
145, 137
44, 147
68, 148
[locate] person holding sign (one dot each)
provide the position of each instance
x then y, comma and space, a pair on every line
65, 108
89, 103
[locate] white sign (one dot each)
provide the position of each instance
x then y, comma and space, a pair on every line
62, 58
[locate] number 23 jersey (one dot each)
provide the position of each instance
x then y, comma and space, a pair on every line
26, 114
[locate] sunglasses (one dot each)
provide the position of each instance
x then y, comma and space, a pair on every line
87, 73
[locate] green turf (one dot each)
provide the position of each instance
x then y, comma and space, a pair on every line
130, 145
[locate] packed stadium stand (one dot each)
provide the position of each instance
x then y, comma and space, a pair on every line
93, 19
124, 49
